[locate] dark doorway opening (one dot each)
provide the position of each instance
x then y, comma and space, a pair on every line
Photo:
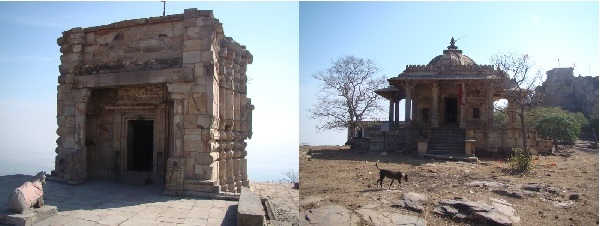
140, 145
451, 110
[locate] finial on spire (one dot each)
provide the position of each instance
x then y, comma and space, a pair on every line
452, 46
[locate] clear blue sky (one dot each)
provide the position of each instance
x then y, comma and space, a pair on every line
396, 34
29, 70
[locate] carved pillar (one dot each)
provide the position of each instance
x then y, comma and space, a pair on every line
434, 105
463, 106
391, 118
222, 167
175, 163
229, 172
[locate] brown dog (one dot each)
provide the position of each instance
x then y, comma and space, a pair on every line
394, 175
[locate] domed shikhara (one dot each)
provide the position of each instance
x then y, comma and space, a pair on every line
452, 57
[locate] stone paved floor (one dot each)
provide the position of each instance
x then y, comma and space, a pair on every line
106, 202
283, 197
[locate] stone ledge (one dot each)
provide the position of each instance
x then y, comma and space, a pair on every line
250, 209
28, 218
135, 78
136, 22
197, 194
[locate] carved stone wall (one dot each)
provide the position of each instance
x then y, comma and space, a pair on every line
181, 73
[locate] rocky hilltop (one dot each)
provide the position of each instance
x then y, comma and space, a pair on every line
575, 94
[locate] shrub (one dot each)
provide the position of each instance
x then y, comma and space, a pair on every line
519, 162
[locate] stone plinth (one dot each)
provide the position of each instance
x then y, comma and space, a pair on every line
29, 217
422, 146
469, 145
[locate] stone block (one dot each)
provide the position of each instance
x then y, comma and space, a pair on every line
205, 121
196, 45
206, 158
192, 57
207, 56
250, 209
189, 121
31, 217
178, 29
190, 187
189, 22
189, 172
77, 48
193, 12
67, 111
190, 137
203, 171
90, 38
106, 37
198, 102
193, 131
192, 145
204, 21
205, 33
69, 121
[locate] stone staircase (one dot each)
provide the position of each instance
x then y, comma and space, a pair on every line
135, 177
447, 140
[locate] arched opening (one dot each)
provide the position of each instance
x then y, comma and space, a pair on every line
501, 113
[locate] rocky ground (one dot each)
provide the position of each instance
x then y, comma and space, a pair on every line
339, 184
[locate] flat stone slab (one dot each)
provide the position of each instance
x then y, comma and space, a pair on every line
384, 218
250, 209
412, 201
499, 212
328, 215
29, 217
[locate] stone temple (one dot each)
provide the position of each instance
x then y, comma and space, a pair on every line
449, 110
157, 100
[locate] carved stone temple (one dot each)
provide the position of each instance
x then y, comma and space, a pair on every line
157, 100
449, 110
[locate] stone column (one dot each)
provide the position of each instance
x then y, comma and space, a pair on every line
391, 118
78, 167
434, 105
397, 112
512, 114
490, 108
407, 103
223, 168
175, 163
463, 107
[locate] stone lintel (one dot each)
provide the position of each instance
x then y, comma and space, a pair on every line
135, 78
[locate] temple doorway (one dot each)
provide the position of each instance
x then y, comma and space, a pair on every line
140, 145
451, 110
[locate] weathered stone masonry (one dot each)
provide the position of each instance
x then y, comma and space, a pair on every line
162, 98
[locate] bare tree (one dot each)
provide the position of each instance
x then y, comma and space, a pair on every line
521, 80
347, 95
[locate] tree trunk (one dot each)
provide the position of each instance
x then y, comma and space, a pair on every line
523, 132
555, 145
